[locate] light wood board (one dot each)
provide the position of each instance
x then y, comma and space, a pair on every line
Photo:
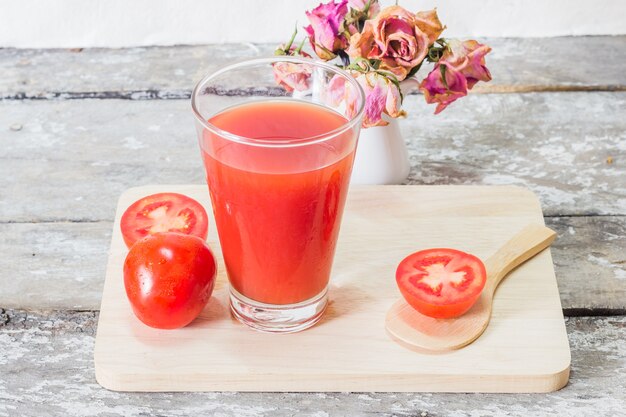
524, 349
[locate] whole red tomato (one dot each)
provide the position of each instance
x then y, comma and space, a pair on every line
169, 278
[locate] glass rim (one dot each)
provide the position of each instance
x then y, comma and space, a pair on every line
349, 124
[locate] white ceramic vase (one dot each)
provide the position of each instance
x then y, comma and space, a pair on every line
381, 156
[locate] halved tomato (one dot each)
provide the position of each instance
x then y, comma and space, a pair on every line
163, 212
441, 283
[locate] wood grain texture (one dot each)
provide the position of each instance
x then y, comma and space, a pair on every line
591, 269
71, 159
417, 331
53, 265
171, 72
47, 369
67, 270
349, 350
556, 144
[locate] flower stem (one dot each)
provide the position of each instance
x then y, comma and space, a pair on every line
293, 37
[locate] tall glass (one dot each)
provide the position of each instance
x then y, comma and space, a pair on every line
278, 137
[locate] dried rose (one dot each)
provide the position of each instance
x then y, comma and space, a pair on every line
336, 93
468, 57
292, 75
436, 89
325, 31
382, 96
340, 92
361, 5
429, 23
395, 38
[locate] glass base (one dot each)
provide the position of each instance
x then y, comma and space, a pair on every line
273, 318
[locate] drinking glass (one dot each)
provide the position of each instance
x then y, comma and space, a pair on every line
278, 137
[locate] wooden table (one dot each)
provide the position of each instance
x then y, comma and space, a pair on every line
79, 127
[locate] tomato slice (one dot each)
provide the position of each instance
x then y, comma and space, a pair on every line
441, 283
163, 212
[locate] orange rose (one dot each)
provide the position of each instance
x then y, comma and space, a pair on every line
395, 38
429, 23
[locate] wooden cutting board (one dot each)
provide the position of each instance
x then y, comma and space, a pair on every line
524, 349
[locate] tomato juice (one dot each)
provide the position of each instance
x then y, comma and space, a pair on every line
278, 190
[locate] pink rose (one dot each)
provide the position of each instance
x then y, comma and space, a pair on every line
336, 92
464, 64
395, 38
340, 92
382, 96
429, 23
292, 76
468, 57
436, 91
359, 6
326, 27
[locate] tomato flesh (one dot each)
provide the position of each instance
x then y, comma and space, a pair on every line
163, 212
441, 283
169, 278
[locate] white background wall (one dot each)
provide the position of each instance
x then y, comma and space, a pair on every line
118, 23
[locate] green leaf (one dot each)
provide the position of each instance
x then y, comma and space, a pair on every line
299, 48
363, 65
434, 54
443, 69
366, 9
414, 70
392, 77
293, 37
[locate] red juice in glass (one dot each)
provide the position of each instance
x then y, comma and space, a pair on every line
278, 213
278, 137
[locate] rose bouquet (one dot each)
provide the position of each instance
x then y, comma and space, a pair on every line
381, 49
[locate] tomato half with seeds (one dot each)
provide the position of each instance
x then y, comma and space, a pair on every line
164, 212
441, 283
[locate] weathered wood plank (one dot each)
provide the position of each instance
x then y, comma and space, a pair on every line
549, 64
569, 148
47, 363
70, 160
590, 262
53, 265
62, 265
